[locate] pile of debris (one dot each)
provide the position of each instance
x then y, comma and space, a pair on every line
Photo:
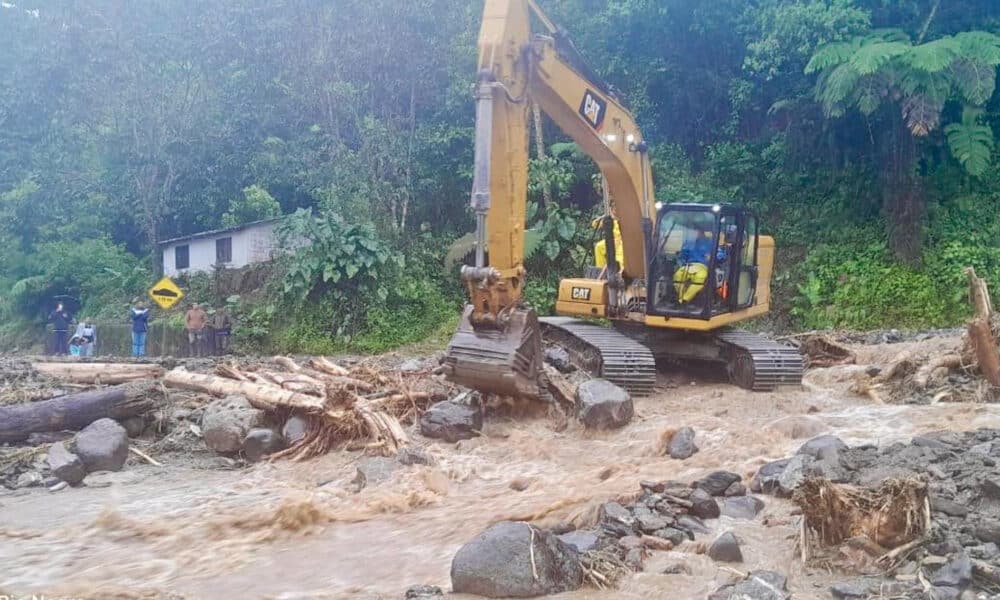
910, 519
970, 374
517, 559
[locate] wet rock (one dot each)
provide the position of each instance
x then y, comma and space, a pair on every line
726, 548
654, 487
957, 573
633, 558
498, 563
945, 593
134, 426
373, 470
648, 522
988, 531
559, 358
766, 480
676, 536
423, 591
411, 455
737, 489
261, 442
682, 444
758, 585
799, 467
65, 465
603, 405
616, 519
822, 445
102, 446
294, 429
856, 588
412, 365
990, 552
743, 507
677, 568
580, 540
952, 509
630, 542
718, 482
227, 422
704, 505
452, 421
692, 524
28, 479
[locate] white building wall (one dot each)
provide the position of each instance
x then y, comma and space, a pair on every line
251, 245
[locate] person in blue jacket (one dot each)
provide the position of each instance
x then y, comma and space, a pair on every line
140, 324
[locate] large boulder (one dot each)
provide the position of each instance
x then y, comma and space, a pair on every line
767, 478
726, 548
742, 507
65, 465
717, 483
226, 423
703, 505
102, 446
798, 469
824, 445
294, 429
603, 405
758, 585
682, 444
260, 442
515, 560
452, 421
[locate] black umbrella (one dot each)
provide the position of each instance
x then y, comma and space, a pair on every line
70, 304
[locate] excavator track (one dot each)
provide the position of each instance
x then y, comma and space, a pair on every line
604, 352
758, 363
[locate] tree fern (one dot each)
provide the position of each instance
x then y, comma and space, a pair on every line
874, 55
922, 114
974, 80
835, 87
972, 145
933, 57
980, 46
831, 55
870, 91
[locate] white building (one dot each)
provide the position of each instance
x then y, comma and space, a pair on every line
231, 248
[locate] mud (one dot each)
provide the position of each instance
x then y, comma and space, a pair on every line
301, 530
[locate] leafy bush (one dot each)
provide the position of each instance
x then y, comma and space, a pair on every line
255, 205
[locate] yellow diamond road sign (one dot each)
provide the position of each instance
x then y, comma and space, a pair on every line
166, 294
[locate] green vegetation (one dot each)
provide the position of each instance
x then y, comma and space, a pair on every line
863, 132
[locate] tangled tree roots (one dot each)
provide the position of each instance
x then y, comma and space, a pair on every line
890, 516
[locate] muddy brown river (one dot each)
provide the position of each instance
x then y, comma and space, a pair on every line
299, 530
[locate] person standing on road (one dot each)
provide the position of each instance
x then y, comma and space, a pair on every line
60, 320
195, 321
222, 326
140, 324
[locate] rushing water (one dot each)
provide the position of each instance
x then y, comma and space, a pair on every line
274, 532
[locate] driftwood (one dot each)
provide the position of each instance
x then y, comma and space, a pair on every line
76, 411
981, 337
261, 396
948, 361
99, 373
821, 351
326, 366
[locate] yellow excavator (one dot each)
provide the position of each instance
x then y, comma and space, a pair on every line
675, 277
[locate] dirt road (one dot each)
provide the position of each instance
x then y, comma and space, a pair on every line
292, 531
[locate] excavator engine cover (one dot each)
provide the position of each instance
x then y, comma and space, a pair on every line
504, 360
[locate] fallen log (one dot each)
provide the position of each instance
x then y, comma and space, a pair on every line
99, 373
76, 411
329, 367
948, 361
261, 396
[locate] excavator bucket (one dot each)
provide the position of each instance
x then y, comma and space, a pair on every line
505, 361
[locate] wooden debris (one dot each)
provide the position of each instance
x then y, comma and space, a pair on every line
76, 411
327, 396
821, 351
99, 373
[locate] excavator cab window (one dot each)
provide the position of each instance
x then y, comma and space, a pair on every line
704, 261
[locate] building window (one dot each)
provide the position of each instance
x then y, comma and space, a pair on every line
223, 250
182, 257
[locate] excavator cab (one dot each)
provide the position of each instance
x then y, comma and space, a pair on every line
703, 262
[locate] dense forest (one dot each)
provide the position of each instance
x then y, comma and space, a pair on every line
861, 130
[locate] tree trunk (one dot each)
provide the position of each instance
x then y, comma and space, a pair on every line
99, 373
904, 201
262, 396
985, 347
540, 150
76, 411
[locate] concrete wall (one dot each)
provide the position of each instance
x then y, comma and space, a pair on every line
252, 244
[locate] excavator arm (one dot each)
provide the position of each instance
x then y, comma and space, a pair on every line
498, 345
